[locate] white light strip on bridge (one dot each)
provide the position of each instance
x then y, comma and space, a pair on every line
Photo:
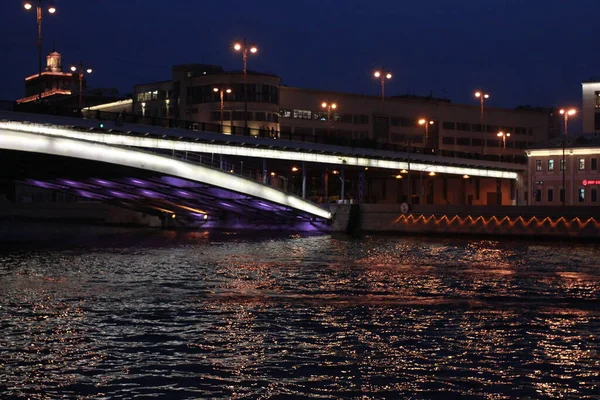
241, 151
60, 146
578, 151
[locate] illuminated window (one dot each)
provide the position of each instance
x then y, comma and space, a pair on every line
597, 98
538, 165
550, 165
582, 164
302, 114
285, 113
563, 164
581, 195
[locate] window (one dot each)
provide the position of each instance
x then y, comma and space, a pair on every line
581, 195
449, 125
462, 126
346, 118
550, 195
594, 195
461, 141
475, 127
582, 164
302, 114
597, 98
538, 195
361, 119
563, 164
550, 165
597, 121
447, 140
476, 142
594, 166
562, 195
538, 165
285, 113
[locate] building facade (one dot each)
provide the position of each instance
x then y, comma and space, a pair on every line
570, 165
591, 106
194, 94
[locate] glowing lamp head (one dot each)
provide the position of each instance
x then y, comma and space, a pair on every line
477, 94
228, 90
89, 71
253, 49
51, 8
334, 106
432, 173
294, 169
398, 176
377, 74
403, 171
572, 111
466, 176
215, 90
173, 216
422, 121
27, 5
323, 104
272, 173
430, 122
508, 135
335, 172
237, 46
388, 76
73, 68
487, 96
500, 134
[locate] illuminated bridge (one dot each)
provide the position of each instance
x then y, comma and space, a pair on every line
192, 174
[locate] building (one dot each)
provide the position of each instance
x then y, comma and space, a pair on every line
591, 105
61, 89
194, 94
570, 164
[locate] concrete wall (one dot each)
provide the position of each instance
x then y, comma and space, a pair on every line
557, 222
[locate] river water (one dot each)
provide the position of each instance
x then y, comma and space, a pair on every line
182, 315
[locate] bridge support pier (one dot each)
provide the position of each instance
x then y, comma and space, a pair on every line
264, 171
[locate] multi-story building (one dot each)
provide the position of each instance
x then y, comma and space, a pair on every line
591, 105
570, 164
194, 94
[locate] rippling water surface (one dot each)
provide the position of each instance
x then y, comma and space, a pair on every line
196, 315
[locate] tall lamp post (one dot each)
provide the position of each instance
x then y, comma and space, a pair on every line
328, 107
426, 123
566, 114
482, 97
382, 75
243, 47
222, 92
28, 5
503, 135
80, 71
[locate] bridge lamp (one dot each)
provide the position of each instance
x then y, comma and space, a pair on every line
481, 96
74, 68
335, 172
465, 176
432, 173
273, 174
403, 171
566, 114
173, 216
398, 176
382, 75
294, 169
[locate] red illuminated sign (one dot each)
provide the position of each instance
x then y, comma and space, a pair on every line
588, 182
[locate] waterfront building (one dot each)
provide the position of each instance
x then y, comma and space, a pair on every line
62, 88
591, 105
194, 94
570, 163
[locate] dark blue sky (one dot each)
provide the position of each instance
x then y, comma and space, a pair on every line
522, 51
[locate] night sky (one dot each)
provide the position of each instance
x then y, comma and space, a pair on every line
524, 52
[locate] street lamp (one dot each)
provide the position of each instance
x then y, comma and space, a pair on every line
503, 135
382, 75
74, 68
222, 96
243, 47
426, 123
28, 5
329, 107
482, 97
566, 114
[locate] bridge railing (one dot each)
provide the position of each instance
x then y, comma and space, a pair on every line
330, 137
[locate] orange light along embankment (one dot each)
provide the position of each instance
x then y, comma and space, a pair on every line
549, 222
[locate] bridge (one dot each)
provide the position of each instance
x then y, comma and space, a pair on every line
173, 172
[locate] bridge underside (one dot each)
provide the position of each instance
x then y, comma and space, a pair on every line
181, 201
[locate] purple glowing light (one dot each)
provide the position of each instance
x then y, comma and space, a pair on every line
103, 182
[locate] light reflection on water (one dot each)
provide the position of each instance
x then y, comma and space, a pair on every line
196, 315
